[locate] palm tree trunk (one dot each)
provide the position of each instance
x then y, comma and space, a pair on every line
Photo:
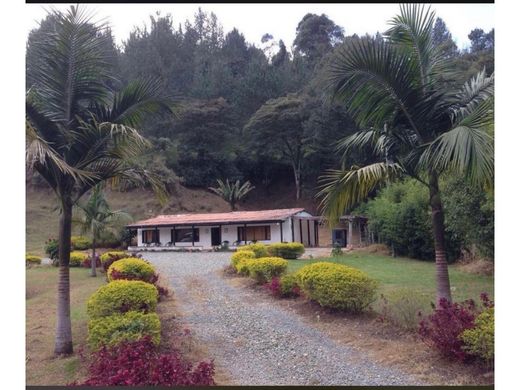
63, 341
441, 263
93, 259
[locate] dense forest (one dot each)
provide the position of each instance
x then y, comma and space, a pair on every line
264, 114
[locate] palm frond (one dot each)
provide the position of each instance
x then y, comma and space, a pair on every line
343, 189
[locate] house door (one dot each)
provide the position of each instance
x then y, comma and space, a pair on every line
339, 237
215, 236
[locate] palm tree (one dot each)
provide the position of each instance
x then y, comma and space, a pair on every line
419, 123
232, 192
79, 132
97, 217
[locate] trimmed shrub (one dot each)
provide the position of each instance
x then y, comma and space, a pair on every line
130, 326
121, 296
77, 259
132, 269
260, 250
109, 257
32, 259
265, 268
442, 329
139, 363
241, 255
87, 263
402, 307
285, 286
80, 243
52, 248
286, 250
242, 267
480, 341
337, 286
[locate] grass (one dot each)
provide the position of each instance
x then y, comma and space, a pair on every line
42, 368
395, 273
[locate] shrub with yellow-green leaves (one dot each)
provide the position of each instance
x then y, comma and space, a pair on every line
129, 326
337, 286
265, 268
286, 250
107, 256
32, 259
259, 249
242, 266
239, 256
77, 258
132, 268
480, 340
80, 243
121, 296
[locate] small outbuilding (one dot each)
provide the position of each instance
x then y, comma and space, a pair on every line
236, 228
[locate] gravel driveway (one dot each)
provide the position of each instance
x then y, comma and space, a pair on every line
257, 342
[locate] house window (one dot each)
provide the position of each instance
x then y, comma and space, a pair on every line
254, 233
149, 236
185, 235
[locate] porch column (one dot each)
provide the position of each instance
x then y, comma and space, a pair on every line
281, 231
292, 229
245, 234
349, 242
316, 234
301, 231
192, 235
173, 235
309, 231
157, 235
220, 233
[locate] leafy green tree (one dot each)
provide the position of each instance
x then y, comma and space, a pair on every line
79, 132
96, 218
232, 192
277, 130
443, 39
419, 127
316, 35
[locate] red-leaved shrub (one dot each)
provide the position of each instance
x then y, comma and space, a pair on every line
86, 263
442, 329
139, 363
283, 287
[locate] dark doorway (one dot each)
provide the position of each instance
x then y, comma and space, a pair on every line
215, 236
339, 237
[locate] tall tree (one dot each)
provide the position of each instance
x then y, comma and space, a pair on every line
277, 129
443, 39
79, 132
391, 89
96, 218
316, 35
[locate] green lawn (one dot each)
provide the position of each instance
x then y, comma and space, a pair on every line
400, 272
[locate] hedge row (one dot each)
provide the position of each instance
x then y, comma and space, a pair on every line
285, 250
124, 309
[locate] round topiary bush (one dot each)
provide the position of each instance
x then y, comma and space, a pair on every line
286, 250
265, 268
130, 326
132, 268
239, 256
121, 296
260, 250
32, 259
80, 243
77, 259
337, 286
480, 340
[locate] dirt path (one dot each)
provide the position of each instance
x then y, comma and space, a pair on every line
256, 342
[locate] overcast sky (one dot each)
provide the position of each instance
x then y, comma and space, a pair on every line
280, 20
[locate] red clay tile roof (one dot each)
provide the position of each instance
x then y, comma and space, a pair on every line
216, 218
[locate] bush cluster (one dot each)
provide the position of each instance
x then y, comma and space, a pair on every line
139, 363
109, 257
87, 262
121, 296
52, 248
260, 250
77, 259
265, 268
129, 326
131, 268
337, 286
286, 250
80, 243
32, 259
480, 340
285, 286
241, 255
